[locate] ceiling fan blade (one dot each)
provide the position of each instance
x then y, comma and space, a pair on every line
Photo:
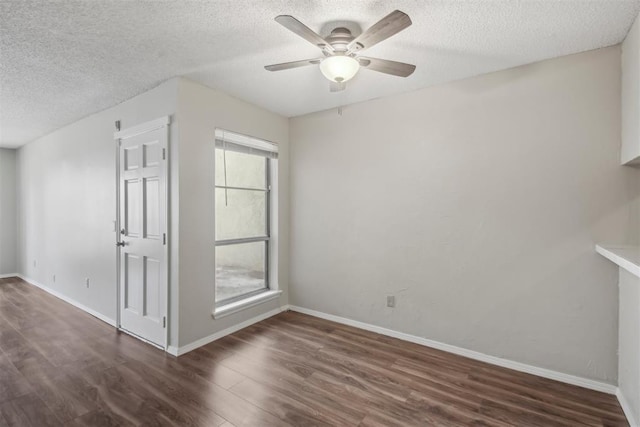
337, 87
394, 68
303, 31
293, 64
391, 24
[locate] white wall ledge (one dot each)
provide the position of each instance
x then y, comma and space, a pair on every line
237, 306
634, 162
627, 257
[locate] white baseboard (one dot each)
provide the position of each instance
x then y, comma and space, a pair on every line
505, 363
6, 276
631, 418
69, 300
178, 351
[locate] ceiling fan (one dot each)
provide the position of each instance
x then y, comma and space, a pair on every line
341, 49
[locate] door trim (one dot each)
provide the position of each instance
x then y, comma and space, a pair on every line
142, 128
119, 136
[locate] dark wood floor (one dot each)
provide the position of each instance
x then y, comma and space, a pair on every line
60, 366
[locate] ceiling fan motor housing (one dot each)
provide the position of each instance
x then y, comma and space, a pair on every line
339, 39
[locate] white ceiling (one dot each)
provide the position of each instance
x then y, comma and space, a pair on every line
61, 61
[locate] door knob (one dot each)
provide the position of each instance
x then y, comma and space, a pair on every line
119, 243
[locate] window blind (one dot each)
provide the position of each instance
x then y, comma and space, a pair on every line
232, 141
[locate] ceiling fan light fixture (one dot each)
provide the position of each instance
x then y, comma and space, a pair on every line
339, 48
339, 68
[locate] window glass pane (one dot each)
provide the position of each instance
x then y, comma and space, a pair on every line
239, 269
243, 170
241, 214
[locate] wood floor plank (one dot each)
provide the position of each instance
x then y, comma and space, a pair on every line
288, 383
347, 366
99, 418
545, 389
12, 383
26, 411
286, 408
58, 365
427, 383
67, 395
181, 412
216, 373
192, 390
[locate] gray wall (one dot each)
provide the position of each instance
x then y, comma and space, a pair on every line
477, 204
67, 201
631, 95
629, 308
200, 111
8, 211
629, 337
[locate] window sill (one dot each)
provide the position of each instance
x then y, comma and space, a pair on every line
234, 307
627, 257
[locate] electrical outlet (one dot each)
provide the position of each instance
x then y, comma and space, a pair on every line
86, 281
391, 301
54, 278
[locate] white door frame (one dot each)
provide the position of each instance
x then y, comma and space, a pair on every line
162, 122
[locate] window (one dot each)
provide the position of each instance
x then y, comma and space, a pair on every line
243, 168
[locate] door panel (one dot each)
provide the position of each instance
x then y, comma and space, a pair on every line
152, 208
131, 158
152, 299
151, 154
132, 282
143, 219
132, 207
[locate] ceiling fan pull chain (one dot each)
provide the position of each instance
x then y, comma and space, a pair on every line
224, 162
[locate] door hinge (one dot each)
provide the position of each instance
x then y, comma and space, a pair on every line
164, 238
164, 154
164, 321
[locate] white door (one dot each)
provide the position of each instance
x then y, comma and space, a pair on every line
142, 254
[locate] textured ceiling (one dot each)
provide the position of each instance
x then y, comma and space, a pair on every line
63, 60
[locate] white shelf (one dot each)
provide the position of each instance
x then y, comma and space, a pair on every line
635, 162
627, 257
243, 304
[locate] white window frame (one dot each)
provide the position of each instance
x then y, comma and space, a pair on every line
233, 141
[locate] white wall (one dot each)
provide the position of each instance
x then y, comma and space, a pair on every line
200, 111
477, 204
8, 258
67, 201
629, 337
629, 285
630, 152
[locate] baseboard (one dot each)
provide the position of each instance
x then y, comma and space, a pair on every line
179, 351
68, 300
6, 276
631, 418
505, 363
